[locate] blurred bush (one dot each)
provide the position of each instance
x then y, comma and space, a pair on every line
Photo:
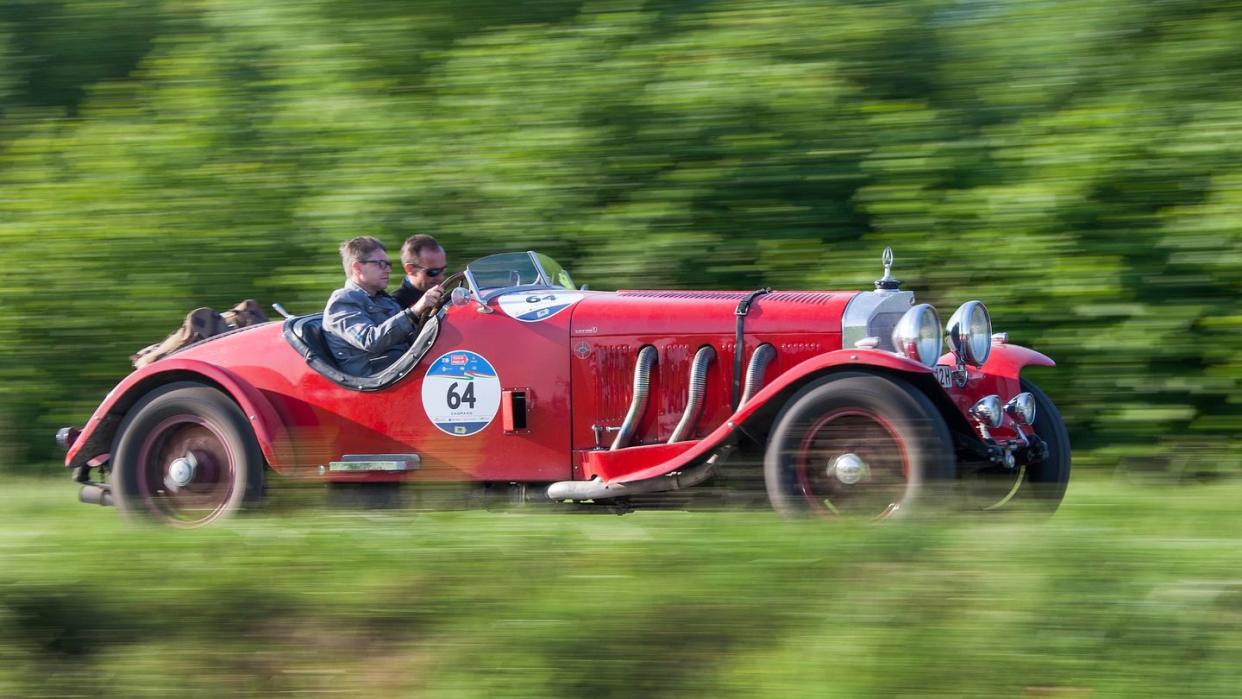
1073, 164
1129, 592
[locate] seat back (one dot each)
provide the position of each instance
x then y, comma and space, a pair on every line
312, 335
305, 333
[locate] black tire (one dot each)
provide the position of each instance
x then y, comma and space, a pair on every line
1037, 487
185, 455
1045, 483
890, 428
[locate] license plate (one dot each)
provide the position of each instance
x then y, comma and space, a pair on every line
944, 374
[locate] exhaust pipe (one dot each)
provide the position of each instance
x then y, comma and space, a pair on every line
95, 494
638, 404
759, 361
694, 401
596, 489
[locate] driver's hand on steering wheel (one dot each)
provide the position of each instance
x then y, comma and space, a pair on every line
431, 299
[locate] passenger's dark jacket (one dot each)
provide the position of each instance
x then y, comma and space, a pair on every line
407, 295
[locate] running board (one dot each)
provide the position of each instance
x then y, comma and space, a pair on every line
370, 463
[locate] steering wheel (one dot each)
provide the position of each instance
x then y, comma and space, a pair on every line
453, 279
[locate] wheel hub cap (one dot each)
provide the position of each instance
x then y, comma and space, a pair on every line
849, 469
181, 470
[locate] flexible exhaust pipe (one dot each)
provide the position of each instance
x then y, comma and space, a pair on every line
759, 361
597, 489
638, 403
698, 389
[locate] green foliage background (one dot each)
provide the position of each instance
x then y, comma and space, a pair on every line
1073, 164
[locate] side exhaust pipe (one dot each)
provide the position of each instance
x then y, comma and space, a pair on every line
638, 404
759, 361
596, 489
698, 388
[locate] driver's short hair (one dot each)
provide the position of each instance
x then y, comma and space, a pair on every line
358, 249
414, 246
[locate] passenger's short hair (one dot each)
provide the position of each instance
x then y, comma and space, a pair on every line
414, 246
358, 249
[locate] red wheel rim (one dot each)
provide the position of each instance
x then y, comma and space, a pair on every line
852, 462
163, 484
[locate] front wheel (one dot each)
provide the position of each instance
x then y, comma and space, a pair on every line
860, 445
185, 455
1037, 487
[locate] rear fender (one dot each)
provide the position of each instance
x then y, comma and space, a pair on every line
97, 436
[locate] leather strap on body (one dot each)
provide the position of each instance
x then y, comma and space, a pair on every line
739, 347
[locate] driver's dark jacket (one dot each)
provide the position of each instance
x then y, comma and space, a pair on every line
365, 333
406, 295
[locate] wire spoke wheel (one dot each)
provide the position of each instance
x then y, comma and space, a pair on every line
185, 456
188, 470
852, 463
858, 446
994, 487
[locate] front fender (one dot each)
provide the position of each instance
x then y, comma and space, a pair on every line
1009, 360
819, 364
96, 437
1005, 361
814, 367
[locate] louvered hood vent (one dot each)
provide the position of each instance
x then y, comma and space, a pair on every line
806, 297
682, 313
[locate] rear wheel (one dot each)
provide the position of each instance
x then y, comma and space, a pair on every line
186, 456
859, 445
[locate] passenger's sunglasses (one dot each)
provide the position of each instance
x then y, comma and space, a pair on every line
432, 271
382, 263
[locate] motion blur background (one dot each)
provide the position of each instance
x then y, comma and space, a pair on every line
1076, 165
1073, 164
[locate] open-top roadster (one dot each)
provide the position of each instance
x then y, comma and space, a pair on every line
835, 403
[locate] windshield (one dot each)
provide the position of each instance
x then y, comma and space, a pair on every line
507, 270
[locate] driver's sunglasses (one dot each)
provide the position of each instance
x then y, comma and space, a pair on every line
432, 271
382, 263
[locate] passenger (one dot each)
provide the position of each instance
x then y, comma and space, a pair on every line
365, 328
424, 262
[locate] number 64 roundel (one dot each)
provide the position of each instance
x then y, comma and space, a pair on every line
461, 393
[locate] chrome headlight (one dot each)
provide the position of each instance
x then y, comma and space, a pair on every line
1022, 408
970, 333
988, 411
919, 335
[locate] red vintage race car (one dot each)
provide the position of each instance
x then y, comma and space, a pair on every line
831, 402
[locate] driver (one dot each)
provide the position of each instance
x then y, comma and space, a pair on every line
365, 328
424, 262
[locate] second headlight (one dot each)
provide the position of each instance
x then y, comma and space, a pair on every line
919, 335
970, 332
